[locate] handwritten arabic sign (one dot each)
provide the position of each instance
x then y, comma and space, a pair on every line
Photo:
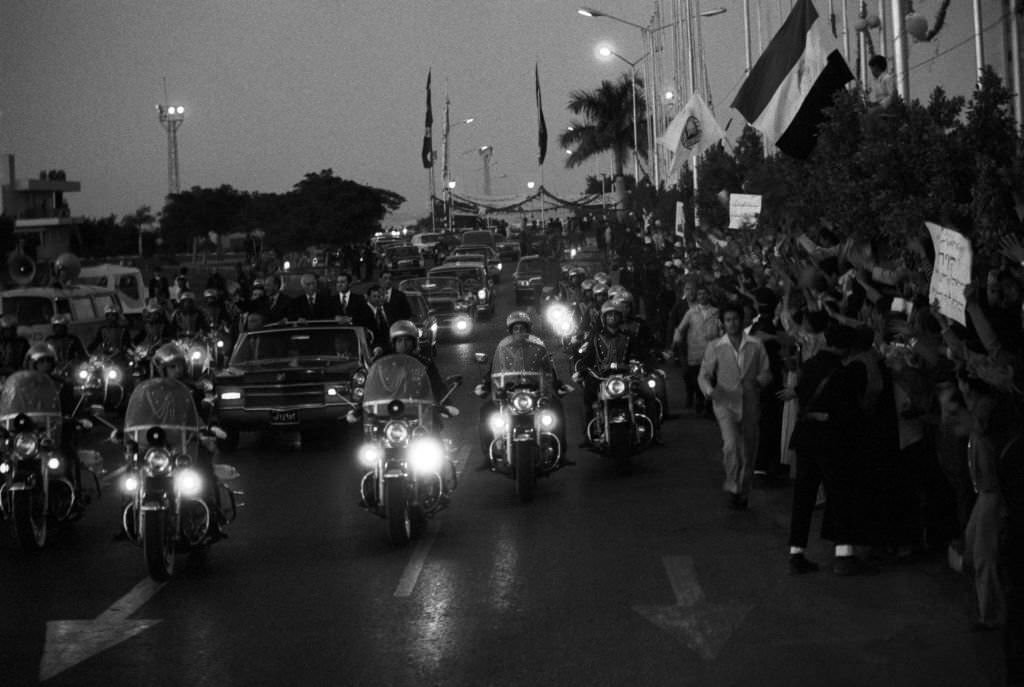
952, 271
743, 210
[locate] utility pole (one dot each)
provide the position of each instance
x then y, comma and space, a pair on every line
171, 118
486, 152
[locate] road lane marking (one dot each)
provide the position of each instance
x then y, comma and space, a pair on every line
70, 642
411, 574
703, 626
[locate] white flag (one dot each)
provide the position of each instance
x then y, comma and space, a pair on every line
692, 131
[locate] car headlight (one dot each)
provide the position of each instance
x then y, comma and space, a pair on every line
158, 460
425, 455
522, 402
188, 482
547, 419
396, 432
462, 325
26, 444
482, 294
498, 266
359, 378
497, 423
231, 396
616, 386
369, 454
332, 392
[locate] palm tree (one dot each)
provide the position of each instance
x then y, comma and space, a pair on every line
607, 123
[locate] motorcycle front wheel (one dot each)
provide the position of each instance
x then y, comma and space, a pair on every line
620, 445
399, 514
29, 515
524, 462
158, 544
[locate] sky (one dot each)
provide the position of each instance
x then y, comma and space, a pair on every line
276, 89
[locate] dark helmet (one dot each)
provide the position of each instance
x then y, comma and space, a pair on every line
38, 352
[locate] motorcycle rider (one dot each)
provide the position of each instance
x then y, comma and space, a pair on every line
113, 337
572, 291
12, 347
155, 328
522, 346
645, 343
42, 358
69, 348
169, 362
188, 320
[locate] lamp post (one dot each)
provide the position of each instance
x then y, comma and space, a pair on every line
171, 118
449, 187
445, 172
605, 51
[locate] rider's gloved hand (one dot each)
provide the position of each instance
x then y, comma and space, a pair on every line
577, 377
565, 389
451, 411
479, 390
351, 417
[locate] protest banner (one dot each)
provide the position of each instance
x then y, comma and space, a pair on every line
680, 221
743, 210
951, 272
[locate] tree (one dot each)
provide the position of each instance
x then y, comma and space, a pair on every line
607, 124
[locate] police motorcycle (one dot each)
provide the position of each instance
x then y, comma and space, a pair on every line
410, 472
166, 513
198, 355
105, 380
524, 440
38, 487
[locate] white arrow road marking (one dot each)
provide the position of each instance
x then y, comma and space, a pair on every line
69, 642
702, 626
411, 574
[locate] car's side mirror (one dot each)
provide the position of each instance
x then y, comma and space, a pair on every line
480, 358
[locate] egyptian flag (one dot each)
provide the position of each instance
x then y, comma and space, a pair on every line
542, 127
427, 154
794, 80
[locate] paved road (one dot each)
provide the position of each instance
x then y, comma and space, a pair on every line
604, 580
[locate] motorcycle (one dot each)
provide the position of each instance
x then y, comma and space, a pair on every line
410, 472
38, 485
622, 424
168, 511
527, 442
198, 356
104, 380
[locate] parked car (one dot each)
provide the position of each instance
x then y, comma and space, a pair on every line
403, 261
528, 279
449, 300
35, 305
474, 279
291, 375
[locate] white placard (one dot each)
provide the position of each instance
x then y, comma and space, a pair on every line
680, 220
951, 272
743, 210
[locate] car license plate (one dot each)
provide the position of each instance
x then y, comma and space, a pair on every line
284, 417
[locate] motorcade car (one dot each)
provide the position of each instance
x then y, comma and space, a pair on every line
125, 279
528, 279
291, 375
590, 259
484, 237
449, 300
426, 242
490, 257
475, 280
425, 322
403, 261
35, 305
508, 248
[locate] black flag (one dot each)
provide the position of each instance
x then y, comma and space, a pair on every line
542, 128
428, 145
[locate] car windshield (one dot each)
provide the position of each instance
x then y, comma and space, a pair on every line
531, 266
462, 273
429, 238
28, 309
418, 305
432, 285
292, 345
403, 252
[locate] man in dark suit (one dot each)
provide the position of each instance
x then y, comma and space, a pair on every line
278, 304
396, 305
159, 287
373, 317
347, 305
311, 305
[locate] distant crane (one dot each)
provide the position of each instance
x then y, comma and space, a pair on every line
171, 118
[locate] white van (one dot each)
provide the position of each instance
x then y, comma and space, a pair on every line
35, 305
124, 279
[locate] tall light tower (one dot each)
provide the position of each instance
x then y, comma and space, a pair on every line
486, 152
171, 118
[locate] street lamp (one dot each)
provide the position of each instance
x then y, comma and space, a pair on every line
451, 187
530, 185
171, 118
606, 52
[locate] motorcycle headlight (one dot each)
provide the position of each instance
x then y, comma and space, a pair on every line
220, 343
482, 294
497, 424
52, 462
616, 386
130, 484
433, 327
522, 402
369, 454
113, 374
651, 383
426, 455
158, 460
4, 468
462, 325
396, 432
82, 374
188, 482
196, 354
26, 444
556, 314
547, 419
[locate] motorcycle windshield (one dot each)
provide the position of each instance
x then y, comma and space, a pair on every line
32, 394
398, 377
165, 403
521, 363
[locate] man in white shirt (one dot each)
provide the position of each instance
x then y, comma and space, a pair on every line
734, 369
881, 91
699, 326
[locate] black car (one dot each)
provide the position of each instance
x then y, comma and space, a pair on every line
403, 261
528, 279
450, 301
425, 321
